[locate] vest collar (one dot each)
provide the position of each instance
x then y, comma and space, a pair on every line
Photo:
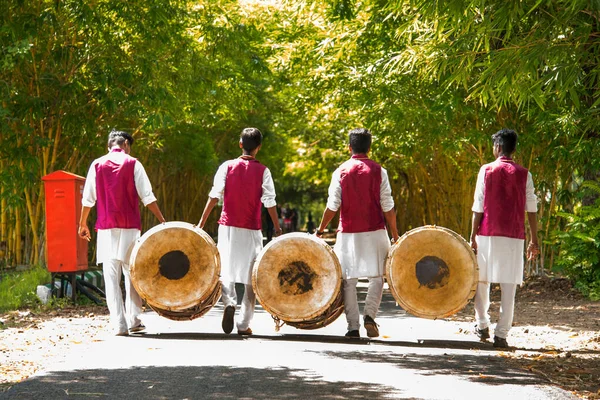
505, 159
116, 149
361, 156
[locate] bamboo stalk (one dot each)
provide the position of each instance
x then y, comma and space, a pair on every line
18, 242
33, 220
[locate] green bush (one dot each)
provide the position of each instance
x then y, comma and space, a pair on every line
18, 289
579, 256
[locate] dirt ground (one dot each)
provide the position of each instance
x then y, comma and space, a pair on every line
556, 334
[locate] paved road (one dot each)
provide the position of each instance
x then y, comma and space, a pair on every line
413, 359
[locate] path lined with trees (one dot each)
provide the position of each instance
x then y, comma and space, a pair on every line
432, 80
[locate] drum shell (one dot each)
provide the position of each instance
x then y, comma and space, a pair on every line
277, 265
441, 299
174, 294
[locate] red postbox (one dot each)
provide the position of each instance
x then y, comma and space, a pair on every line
67, 251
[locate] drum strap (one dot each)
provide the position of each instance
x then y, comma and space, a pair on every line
278, 323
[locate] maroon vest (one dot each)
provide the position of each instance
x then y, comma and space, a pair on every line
243, 190
504, 199
117, 201
360, 179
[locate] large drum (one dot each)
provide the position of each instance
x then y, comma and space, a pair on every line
175, 267
432, 272
297, 278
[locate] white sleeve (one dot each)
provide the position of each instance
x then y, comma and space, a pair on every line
89, 189
531, 198
385, 192
268, 190
219, 182
479, 192
142, 184
334, 201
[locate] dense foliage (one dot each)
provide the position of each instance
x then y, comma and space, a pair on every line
433, 80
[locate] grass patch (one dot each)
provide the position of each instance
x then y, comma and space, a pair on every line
18, 289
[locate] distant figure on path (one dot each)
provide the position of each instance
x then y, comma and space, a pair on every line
503, 194
115, 184
243, 184
361, 190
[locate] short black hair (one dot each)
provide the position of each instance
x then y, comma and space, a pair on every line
119, 137
251, 138
360, 140
506, 139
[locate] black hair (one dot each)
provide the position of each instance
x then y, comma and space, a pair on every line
360, 140
251, 138
507, 140
119, 137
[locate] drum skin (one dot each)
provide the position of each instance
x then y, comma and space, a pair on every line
297, 278
432, 272
175, 267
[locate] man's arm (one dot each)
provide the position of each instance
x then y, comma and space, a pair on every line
84, 231
533, 249
210, 204
273, 215
156, 211
387, 203
325, 220
390, 218
476, 221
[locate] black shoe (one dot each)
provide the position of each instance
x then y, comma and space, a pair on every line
353, 334
500, 343
227, 323
371, 327
484, 334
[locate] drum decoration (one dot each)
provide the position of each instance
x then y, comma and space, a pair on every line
432, 272
175, 268
297, 278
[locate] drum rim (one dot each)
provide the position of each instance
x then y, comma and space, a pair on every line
314, 314
169, 225
402, 302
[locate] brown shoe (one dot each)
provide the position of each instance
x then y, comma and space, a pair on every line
137, 329
246, 332
500, 343
227, 323
371, 327
483, 334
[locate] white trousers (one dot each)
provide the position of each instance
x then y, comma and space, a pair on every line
507, 307
122, 316
374, 293
229, 298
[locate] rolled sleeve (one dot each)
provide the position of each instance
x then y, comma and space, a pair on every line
88, 198
479, 192
218, 187
268, 190
142, 184
531, 202
385, 192
334, 200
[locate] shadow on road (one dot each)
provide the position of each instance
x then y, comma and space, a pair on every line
192, 382
491, 371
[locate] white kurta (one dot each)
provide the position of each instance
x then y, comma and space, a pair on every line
362, 254
239, 247
500, 259
116, 244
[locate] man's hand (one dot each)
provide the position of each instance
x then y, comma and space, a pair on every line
278, 231
84, 232
533, 250
474, 244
